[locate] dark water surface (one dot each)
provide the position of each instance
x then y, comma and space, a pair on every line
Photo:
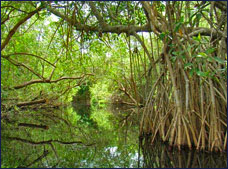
81, 136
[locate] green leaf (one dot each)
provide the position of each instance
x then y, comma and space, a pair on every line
188, 65
182, 19
177, 27
198, 16
210, 59
16, 108
222, 70
202, 74
162, 35
42, 4
199, 37
201, 54
175, 53
191, 72
218, 60
210, 50
173, 59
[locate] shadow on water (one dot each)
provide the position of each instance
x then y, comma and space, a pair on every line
104, 138
158, 155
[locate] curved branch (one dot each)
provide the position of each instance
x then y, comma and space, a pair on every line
7, 18
14, 62
152, 26
222, 5
48, 81
29, 141
31, 103
13, 31
97, 14
122, 88
45, 153
152, 16
47, 141
30, 55
207, 32
105, 28
14, 8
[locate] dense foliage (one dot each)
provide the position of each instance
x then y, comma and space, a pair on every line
167, 59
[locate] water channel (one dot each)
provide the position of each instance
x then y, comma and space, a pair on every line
81, 136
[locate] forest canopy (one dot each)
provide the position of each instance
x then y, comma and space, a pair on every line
168, 59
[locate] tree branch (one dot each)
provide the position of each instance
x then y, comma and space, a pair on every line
105, 28
48, 81
97, 14
29, 55
45, 153
122, 88
207, 32
14, 62
31, 102
13, 31
150, 13
221, 5
145, 48
47, 142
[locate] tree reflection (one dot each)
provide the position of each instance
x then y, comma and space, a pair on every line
69, 137
159, 155
72, 141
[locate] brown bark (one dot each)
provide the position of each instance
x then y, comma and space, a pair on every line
105, 27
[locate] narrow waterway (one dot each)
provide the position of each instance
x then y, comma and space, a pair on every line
82, 136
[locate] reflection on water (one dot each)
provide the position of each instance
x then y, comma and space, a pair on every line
84, 111
159, 156
90, 137
115, 135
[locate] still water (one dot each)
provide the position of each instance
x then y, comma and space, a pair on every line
81, 136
